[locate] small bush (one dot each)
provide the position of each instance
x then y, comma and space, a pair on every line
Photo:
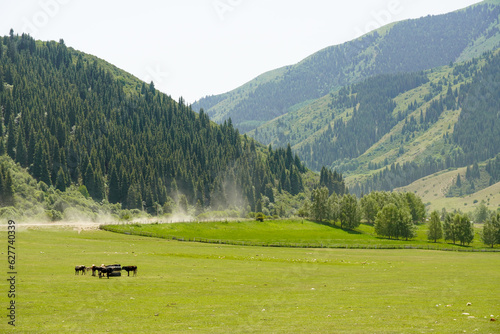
83, 190
9, 212
260, 217
43, 186
61, 205
54, 215
125, 215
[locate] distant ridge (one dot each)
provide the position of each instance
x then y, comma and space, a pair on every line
406, 46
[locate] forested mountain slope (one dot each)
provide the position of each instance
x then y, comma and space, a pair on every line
72, 119
407, 46
391, 130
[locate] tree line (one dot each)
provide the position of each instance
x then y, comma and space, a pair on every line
394, 215
458, 227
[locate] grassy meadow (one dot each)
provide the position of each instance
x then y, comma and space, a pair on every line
209, 288
287, 233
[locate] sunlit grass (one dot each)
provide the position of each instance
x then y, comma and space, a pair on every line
291, 233
207, 288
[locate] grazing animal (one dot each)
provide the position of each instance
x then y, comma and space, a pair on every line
79, 269
94, 269
129, 269
105, 271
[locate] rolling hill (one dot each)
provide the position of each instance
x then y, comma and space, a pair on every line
434, 190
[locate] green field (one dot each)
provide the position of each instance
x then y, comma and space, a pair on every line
286, 233
208, 288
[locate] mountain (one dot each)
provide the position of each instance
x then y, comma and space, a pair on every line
390, 130
73, 121
409, 100
407, 46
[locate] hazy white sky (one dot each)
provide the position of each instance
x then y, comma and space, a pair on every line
194, 48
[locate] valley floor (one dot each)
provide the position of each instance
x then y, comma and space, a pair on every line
205, 288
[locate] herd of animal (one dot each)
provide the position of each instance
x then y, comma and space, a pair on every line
104, 270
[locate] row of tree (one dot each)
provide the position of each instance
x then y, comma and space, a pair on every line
455, 228
394, 214
325, 208
459, 228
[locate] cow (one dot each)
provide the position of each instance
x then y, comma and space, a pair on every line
79, 269
129, 269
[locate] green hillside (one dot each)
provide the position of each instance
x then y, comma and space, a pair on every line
72, 120
407, 46
391, 130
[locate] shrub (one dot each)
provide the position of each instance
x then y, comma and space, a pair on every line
260, 217
83, 190
54, 215
61, 205
9, 212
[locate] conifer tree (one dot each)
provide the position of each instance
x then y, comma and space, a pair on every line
99, 185
183, 203
11, 140
61, 180
7, 187
2, 144
114, 187
89, 179
459, 181
41, 165
134, 197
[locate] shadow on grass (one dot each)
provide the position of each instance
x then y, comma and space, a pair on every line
334, 226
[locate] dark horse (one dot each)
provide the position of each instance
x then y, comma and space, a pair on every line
78, 269
129, 269
104, 271
94, 268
